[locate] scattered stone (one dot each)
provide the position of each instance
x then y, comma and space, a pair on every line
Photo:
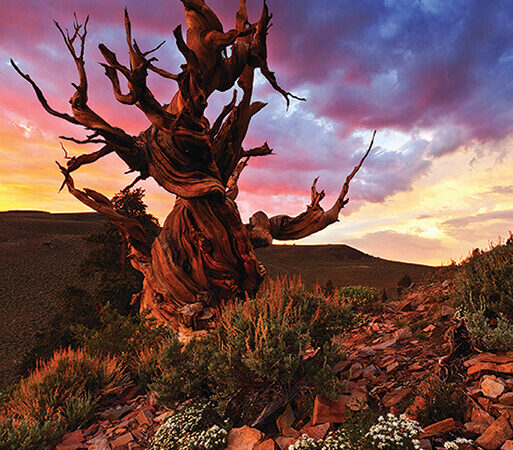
475, 427
491, 388
144, 418
496, 434
355, 371
285, 421
369, 371
121, 442
446, 311
116, 413
429, 328
268, 444
403, 333
392, 398
325, 411
444, 426
317, 432
284, 442
508, 445
76, 437
506, 399
244, 438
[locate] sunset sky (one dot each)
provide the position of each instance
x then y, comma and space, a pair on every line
434, 77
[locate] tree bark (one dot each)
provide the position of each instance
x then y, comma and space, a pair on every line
204, 255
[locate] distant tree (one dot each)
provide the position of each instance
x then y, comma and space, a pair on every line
118, 280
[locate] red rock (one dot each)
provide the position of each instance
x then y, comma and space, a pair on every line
284, 442
486, 403
355, 371
443, 426
418, 405
75, 437
429, 328
369, 371
496, 434
244, 438
144, 418
403, 333
268, 444
357, 400
415, 367
325, 411
317, 432
481, 367
285, 421
508, 445
491, 388
390, 368
392, 398
121, 442
69, 446
506, 399
475, 427
134, 446
481, 416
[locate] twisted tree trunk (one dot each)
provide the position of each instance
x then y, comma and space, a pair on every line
204, 254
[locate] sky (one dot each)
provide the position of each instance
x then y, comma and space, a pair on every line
435, 78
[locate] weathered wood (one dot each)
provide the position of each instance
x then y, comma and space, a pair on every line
204, 254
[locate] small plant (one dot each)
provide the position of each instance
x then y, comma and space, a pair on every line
484, 289
362, 297
455, 445
497, 338
389, 433
334, 441
27, 435
394, 433
441, 401
59, 395
193, 428
261, 349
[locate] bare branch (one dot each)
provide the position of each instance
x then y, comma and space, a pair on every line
226, 110
42, 98
263, 150
312, 220
232, 190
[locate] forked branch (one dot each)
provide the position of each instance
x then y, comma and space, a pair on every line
311, 221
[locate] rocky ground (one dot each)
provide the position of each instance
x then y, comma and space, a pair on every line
388, 358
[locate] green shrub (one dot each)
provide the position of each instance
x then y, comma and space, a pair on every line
195, 427
362, 297
261, 349
60, 395
442, 401
497, 338
485, 279
27, 435
484, 290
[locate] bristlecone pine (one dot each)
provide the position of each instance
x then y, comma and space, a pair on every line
204, 254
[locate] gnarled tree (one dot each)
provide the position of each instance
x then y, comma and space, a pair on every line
204, 254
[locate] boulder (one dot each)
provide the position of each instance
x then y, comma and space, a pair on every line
333, 412
492, 388
496, 434
244, 438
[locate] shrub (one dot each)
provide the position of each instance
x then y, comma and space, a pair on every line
362, 297
26, 435
497, 338
193, 428
261, 349
485, 279
484, 290
61, 393
442, 401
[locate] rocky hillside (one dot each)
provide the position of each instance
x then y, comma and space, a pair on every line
400, 360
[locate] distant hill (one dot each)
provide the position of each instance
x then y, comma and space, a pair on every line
40, 254
341, 264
